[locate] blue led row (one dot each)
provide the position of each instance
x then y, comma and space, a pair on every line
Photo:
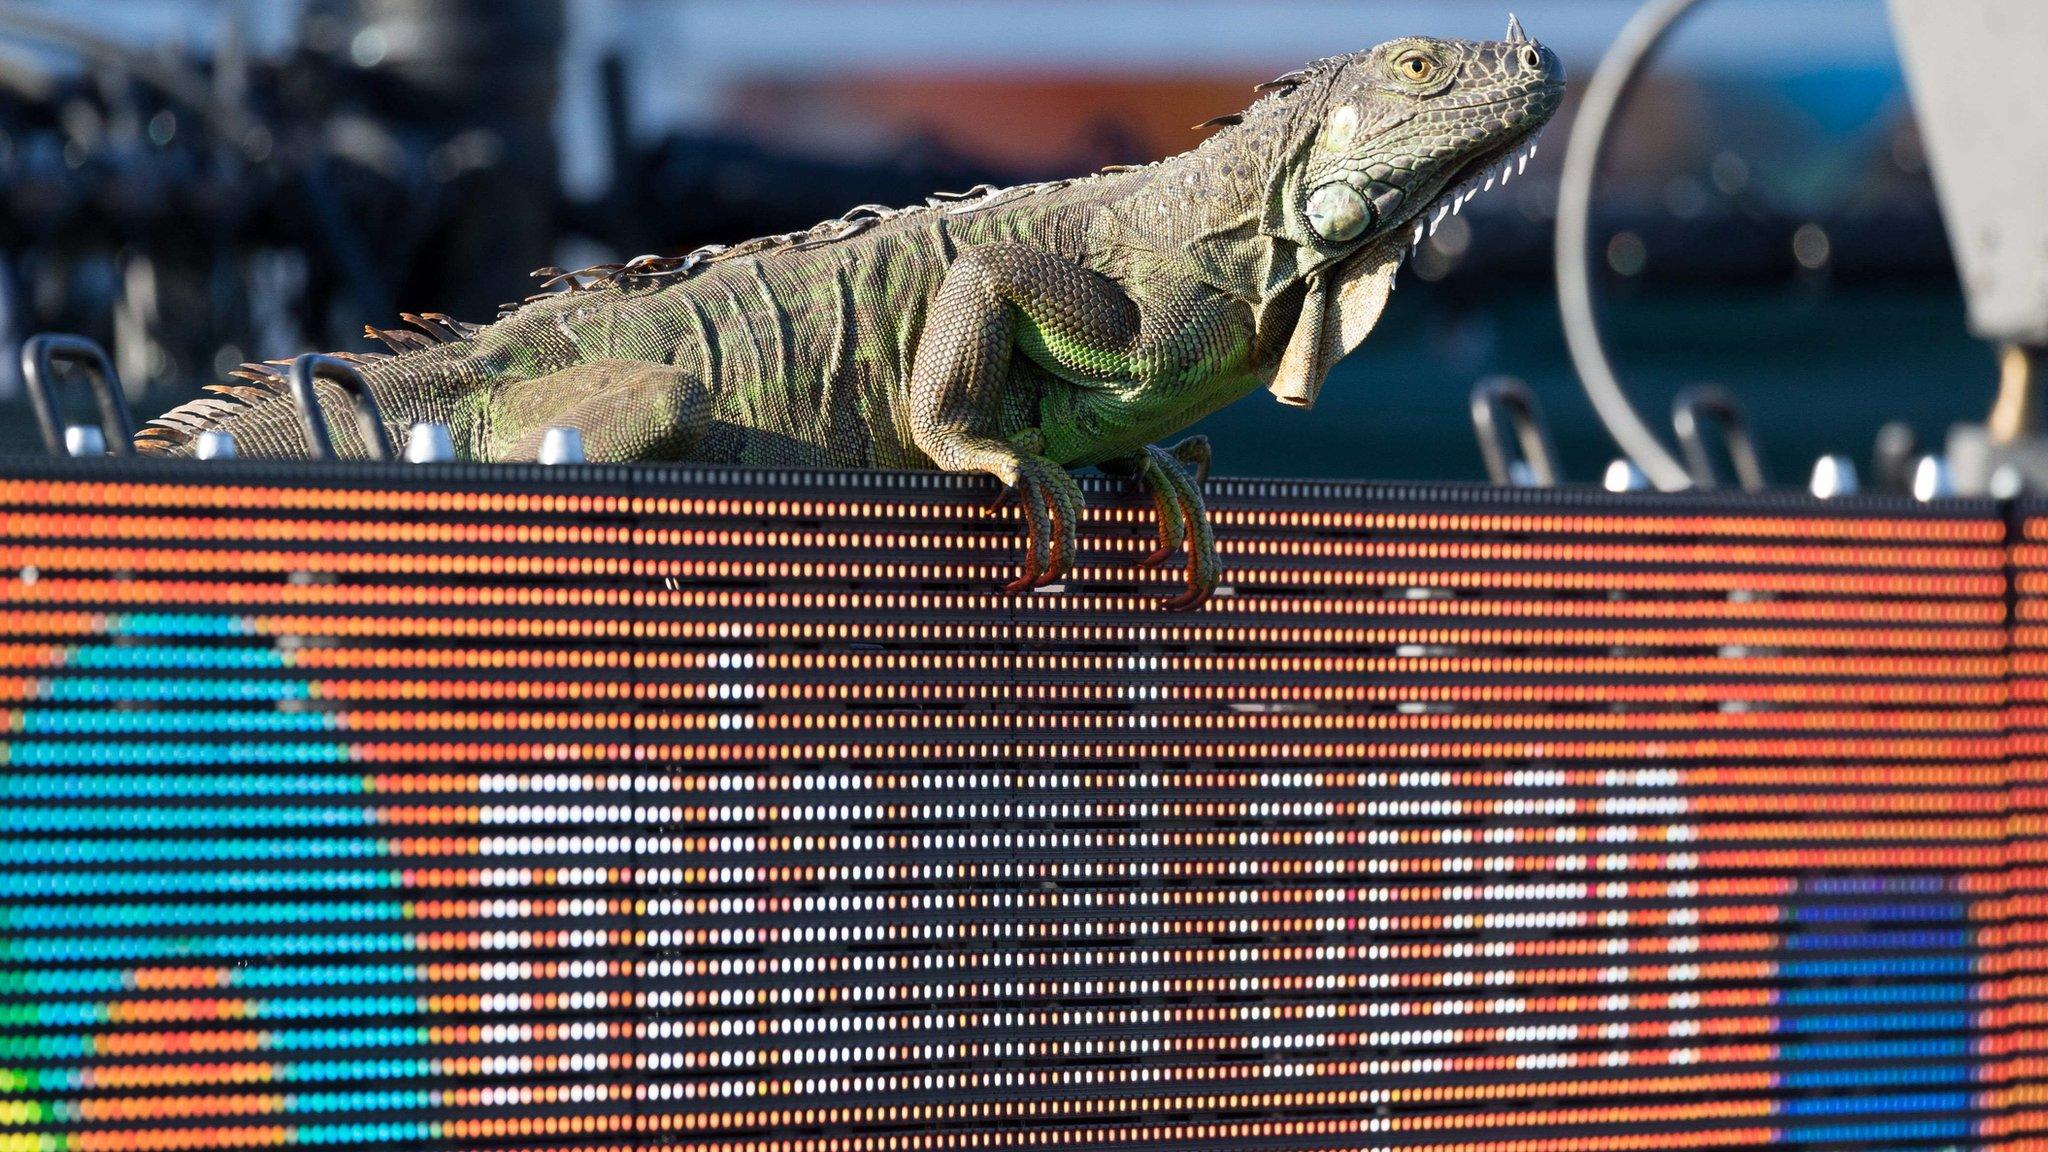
1874, 885
1953, 965
1880, 994
129, 785
99, 754
91, 1013
150, 917
1881, 941
37, 885
69, 818
101, 690
180, 624
144, 852
174, 658
56, 722
1880, 1022
75, 949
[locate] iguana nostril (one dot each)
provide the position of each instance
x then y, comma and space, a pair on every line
1532, 59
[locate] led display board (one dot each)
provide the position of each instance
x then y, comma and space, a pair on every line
451, 807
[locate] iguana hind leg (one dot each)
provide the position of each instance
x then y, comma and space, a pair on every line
625, 409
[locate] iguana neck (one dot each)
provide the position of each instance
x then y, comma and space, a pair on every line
1206, 208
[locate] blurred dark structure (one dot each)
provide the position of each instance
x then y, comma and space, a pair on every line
437, 143
192, 213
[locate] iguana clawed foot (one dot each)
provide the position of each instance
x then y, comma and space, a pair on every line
1051, 503
1183, 520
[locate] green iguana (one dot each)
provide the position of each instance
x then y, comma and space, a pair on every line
1017, 332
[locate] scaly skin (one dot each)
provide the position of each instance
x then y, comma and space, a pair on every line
1018, 332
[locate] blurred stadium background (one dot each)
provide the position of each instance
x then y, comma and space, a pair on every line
231, 179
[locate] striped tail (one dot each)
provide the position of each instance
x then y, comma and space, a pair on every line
261, 416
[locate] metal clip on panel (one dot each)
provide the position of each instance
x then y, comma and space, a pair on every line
313, 366
561, 446
1711, 401
40, 356
1536, 465
1833, 476
430, 443
1623, 476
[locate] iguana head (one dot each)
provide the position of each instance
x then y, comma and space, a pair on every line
1374, 147
1387, 132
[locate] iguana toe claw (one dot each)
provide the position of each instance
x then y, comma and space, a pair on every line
1038, 533
1182, 519
1064, 498
1051, 503
1166, 501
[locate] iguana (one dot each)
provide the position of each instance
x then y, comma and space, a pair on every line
1018, 332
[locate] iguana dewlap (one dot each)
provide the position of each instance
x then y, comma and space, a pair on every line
1018, 332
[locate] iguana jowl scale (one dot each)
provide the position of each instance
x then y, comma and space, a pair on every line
1017, 332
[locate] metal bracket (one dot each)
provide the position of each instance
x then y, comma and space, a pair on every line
561, 446
1711, 401
40, 356
1538, 456
313, 366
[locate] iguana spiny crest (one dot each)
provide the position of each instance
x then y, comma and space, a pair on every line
1016, 332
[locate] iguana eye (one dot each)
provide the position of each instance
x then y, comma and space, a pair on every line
1415, 67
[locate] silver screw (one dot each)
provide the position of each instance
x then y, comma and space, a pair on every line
562, 446
1833, 476
85, 440
214, 445
429, 443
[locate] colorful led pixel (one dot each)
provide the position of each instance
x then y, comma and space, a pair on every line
368, 807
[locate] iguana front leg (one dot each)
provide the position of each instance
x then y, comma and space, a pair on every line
1122, 369
962, 362
1183, 519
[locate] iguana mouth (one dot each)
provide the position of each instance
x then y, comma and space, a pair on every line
1494, 166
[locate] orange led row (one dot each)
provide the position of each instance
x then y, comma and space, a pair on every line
741, 686
1902, 665
439, 720
1632, 750
1855, 584
964, 502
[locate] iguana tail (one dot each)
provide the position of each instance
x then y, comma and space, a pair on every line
498, 389
433, 374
